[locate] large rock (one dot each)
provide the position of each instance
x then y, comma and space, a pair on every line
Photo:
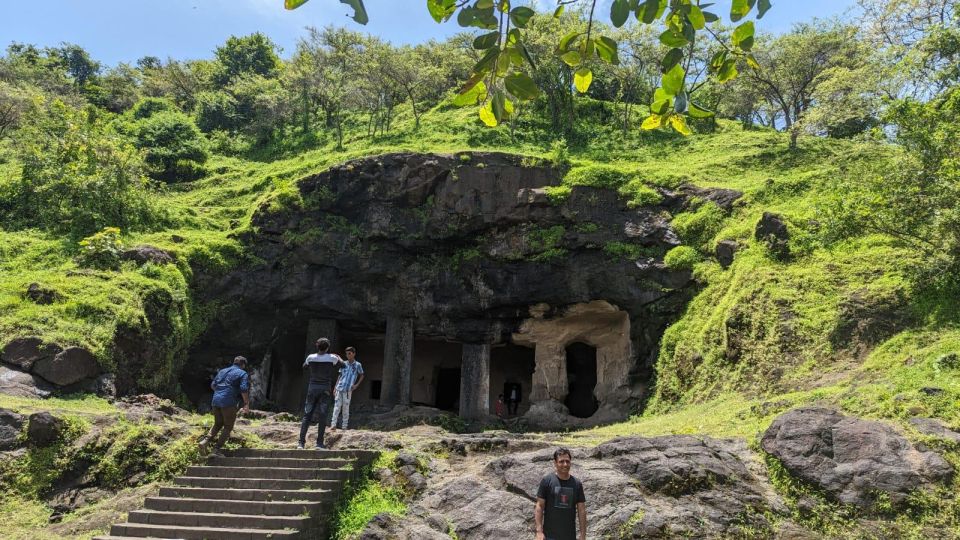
725, 251
145, 254
44, 429
661, 487
20, 384
850, 458
11, 426
772, 230
69, 366
25, 352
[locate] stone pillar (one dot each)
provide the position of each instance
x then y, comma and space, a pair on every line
260, 381
318, 328
475, 381
550, 373
397, 362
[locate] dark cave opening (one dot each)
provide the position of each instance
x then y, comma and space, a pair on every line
581, 380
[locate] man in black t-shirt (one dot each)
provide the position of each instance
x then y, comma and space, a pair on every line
560, 502
323, 368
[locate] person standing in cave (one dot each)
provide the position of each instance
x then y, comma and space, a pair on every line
560, 502
323, 366
513, 400
230, 384
351, 375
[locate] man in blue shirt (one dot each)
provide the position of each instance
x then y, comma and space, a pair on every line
351, 375
230, 384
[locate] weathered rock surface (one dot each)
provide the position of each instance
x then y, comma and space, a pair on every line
661, 487
725, 251
67, 367
866, 318
41, 295
43, 428
852, 459
23, 353
935, 428
145, 254
11, 425
772, 230
17, 383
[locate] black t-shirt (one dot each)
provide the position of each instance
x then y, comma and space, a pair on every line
560, 511
323, 369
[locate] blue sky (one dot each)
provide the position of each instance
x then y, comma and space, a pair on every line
124, 30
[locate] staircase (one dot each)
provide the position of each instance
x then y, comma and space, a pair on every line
248, 495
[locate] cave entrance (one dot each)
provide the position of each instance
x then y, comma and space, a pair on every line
511, 373
581, 380
286, 385
435, 380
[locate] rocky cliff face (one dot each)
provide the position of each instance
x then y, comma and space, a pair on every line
468, 248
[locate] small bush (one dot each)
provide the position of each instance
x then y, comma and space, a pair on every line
602, 176
101, 250
147, 107
174, 149
681, 258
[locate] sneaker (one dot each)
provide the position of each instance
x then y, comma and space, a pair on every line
300, 446
321, 447
216, 453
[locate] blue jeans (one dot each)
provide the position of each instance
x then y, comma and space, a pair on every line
318, 402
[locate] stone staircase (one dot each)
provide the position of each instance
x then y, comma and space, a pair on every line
248, 495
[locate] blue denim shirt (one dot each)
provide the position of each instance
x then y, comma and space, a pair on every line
229, 383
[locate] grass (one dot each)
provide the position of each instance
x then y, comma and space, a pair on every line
364, 498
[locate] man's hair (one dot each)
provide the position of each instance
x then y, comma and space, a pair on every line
350, 349
323, 345
240, 361
501, 396
561, 452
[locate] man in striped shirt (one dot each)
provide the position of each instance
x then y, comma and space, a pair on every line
351, 375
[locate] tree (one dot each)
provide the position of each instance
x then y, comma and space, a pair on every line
15, 102
116, 90
412, 70
255, 54
792, 66
174, 149
78, 177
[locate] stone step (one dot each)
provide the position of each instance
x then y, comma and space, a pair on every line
255, 483
217, 520
142, 530
294, 453
228, 494
249, 508
273, 473
283, 463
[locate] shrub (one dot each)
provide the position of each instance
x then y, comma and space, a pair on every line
147, 107
681, 258
174, 148
603, 176
78, 177
101, 250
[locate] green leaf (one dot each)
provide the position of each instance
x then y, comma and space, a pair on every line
752, 62
679, 124
293, 4
521, 16
660, 106
441, 10
673, 80
607, 50
739, 9
487, 116
619, 11
504, 6
652, 122
487, 63
498, 106
470, 96
521, 86
649, 11
762, 7
743, 36
484, 4
467, 16
359, 12
696, 111
680, 103
671, 59
696, 18
728, 71
659, 94
673, 39
710, 17
571, 58
582, 79
558, 12
526, 56
568, 40
486, 40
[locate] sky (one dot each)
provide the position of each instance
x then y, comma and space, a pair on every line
124, 30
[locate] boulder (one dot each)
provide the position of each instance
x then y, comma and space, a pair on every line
25, 352
145, 254
44, 429
20, 384
11, 426
852, 459
725, 251
772, 230
935, 428
41, 295
69, 366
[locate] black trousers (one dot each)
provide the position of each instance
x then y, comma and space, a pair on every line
318, 403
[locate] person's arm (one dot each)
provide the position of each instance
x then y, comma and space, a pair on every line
360, 380
245, 392
582, 517
538, 517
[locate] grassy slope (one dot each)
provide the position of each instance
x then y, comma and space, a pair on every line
787, 310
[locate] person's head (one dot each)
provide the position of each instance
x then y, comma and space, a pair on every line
561, 461
240, 362
323, 345
351, 353
500, 397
